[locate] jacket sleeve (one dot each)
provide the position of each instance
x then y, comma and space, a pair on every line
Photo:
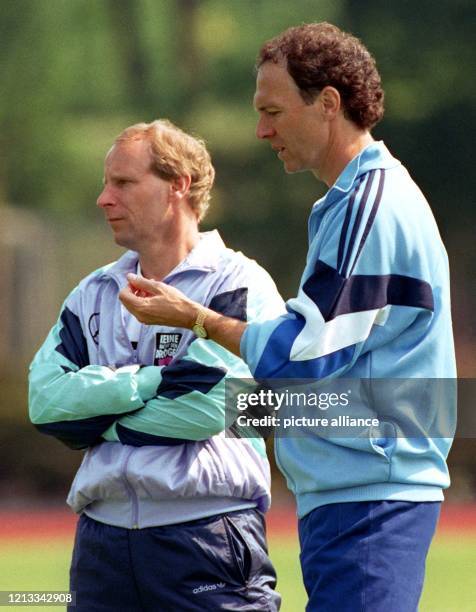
359, 291
190, 399
73, 400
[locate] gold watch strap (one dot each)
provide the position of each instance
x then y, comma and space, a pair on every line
198, 327
201, 316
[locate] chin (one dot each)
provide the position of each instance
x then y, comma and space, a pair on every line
291, 164
118, 240
122, 241
290, 169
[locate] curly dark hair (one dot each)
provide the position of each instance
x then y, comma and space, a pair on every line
320, 54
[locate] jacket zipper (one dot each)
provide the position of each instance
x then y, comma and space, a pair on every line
131, 491
129, 487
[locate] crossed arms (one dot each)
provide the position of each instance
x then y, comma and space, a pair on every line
82, 403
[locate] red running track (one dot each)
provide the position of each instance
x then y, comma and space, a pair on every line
281, 521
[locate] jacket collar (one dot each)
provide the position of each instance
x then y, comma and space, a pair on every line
375, 155
204, 257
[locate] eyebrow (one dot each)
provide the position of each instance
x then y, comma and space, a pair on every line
264, 105
119, 177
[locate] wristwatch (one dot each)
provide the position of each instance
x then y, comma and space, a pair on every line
198, 328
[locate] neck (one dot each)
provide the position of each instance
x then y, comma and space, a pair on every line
344, 144
160, 257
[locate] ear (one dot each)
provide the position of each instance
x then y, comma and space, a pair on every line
180, 187
330, 102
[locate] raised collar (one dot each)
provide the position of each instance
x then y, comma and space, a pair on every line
203, 257
375, 155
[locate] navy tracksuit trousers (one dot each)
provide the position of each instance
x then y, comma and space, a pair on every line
366, 556
215, 563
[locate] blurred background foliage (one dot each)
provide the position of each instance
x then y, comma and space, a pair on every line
76, 72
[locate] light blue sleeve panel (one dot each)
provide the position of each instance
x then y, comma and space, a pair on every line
73, 400
190, 401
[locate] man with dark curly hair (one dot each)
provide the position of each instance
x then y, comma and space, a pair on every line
373, 306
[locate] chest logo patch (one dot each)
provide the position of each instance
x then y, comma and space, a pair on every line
166, 346
93, 326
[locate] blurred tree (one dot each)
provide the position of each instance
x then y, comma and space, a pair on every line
124, 18
188, 51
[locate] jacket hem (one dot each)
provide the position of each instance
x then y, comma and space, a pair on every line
153, 513
306, 502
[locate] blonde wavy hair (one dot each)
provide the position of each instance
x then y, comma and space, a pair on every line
174, 154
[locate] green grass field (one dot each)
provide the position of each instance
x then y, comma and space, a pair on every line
450, 584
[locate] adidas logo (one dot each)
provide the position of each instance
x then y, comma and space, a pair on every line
208, 587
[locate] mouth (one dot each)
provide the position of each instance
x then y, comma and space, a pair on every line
279, 151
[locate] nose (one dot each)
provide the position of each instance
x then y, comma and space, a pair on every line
105, 197
264, 129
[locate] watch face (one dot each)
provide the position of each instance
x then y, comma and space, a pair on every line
199, 331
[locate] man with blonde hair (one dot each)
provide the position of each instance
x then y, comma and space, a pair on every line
171, 507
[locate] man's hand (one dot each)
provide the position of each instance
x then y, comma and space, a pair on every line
155, 303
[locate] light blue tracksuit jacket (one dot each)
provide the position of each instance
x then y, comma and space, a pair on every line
373, 303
